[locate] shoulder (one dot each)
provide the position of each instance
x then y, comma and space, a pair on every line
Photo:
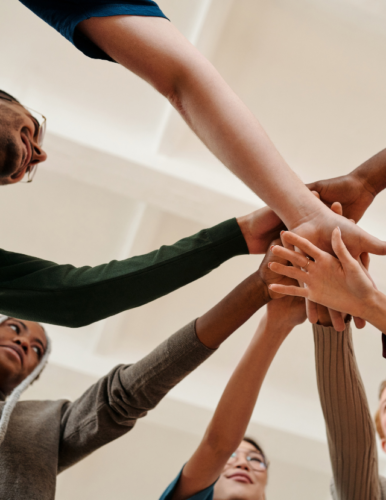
206, 494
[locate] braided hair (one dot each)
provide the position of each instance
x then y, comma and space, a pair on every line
16, 393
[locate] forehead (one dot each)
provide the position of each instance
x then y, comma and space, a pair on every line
245, 446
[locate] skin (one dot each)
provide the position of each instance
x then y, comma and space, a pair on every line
382, 415
341, 283
356, 190
230, 486
154, 49
18, 133
22, 345
231, 418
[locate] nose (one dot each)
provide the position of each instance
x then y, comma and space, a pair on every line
242, 463
23, 343
39, 155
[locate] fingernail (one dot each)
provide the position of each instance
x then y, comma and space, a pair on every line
338, 228
272, 247
281, 232
269, 265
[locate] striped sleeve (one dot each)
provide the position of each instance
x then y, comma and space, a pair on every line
350, 430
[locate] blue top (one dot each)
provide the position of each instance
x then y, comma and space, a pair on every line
65, 15
206, 494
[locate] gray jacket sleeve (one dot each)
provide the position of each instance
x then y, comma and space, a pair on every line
111, 407
350, 430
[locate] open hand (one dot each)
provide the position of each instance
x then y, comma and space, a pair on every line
341, 284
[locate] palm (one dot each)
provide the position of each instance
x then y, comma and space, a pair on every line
349, 190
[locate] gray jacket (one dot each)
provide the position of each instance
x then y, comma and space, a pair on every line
46, 437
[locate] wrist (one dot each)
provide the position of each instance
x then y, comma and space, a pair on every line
260, 288
371, 174
374, 310
245, 228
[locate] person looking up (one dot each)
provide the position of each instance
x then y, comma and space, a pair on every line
225, 465
39, 439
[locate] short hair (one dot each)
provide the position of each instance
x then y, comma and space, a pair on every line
258, 448
377, 417
3, 93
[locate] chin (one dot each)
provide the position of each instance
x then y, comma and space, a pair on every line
228, 489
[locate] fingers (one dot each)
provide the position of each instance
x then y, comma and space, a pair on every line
337, 208
371, 244
289, 271
337, 320
340, 248
289, 290
359, 322
295, 258
305, 245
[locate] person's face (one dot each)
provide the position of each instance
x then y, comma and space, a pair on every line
241, 479
19, 148
22, 345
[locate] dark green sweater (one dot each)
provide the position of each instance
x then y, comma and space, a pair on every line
40, 290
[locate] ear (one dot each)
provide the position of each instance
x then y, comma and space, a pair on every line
383, 444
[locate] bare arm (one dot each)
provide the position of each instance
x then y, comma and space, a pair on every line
155, 50
235, 408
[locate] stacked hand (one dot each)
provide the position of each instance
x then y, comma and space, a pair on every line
339, 283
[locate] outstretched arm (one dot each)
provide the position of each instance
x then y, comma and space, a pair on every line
350, 430
231, 418
156, 51
115, 403
40, 290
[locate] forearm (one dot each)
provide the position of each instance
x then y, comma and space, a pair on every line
111, 407
157, 52
234, 310
233, 413
228, 128
236, 405
40, 290
373, 173
350, 430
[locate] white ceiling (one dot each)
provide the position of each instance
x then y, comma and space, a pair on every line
126, 175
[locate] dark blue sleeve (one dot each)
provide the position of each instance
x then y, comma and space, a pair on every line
65, 15
206, 494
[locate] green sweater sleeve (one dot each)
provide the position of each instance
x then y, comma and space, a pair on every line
40, 290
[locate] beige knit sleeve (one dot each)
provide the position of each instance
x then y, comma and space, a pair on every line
350, 430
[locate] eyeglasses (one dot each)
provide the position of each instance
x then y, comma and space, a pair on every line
40, 122
256, 461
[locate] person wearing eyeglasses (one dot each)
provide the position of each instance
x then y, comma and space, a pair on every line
40, 439
226, 465
21, 140
137, 35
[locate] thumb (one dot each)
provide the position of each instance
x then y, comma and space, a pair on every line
340, 248
371, 244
